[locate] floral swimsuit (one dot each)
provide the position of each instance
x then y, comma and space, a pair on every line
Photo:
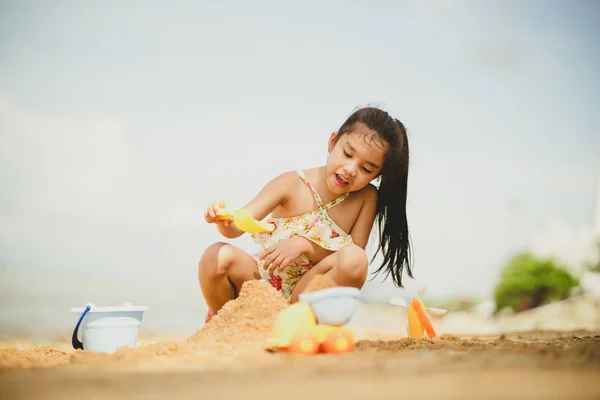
316, 226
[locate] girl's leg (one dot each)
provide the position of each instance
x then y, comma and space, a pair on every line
347, 267
222, 270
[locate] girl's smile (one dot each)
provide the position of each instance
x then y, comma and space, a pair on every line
341, 182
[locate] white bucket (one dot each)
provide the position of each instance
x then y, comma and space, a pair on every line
106, 329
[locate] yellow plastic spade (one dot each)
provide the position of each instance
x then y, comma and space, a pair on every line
296, 317
244, 221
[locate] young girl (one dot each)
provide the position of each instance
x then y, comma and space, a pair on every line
323, 217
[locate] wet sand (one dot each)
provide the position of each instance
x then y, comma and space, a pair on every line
524, 365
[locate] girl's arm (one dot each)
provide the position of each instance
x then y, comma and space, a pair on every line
366, 217
311, 250
272, 195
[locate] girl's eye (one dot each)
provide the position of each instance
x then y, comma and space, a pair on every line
346, 154
366, 170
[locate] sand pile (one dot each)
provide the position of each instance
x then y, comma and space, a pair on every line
241, 327
244, 323
319, 282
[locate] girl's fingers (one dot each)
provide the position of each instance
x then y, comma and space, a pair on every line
208, 213
213, 211
277, 263
269, 260
266, 252
273, 262
283, 264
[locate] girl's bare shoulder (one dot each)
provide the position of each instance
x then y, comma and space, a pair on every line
368, 194
286, 179
286, 184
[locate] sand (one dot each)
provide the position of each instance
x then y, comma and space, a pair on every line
227, 358
319, 282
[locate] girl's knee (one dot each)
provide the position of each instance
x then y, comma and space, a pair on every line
353, 263
216, 258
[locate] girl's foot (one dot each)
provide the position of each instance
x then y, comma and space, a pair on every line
209, 316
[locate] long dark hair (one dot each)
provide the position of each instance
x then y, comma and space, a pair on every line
394, 241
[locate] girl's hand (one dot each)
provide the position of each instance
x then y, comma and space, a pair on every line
210, 214
281, 254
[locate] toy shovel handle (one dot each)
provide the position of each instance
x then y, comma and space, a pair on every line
225, 213
77, 345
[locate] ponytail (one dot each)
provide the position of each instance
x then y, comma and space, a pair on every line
394, 241
391, 219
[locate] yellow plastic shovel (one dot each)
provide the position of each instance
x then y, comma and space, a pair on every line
244, 221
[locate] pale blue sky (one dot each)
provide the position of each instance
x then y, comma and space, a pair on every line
120, 120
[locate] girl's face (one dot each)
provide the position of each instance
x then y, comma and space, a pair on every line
355, 160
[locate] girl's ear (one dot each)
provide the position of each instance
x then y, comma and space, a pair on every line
331, 143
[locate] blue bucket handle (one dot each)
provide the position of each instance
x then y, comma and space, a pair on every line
77, 345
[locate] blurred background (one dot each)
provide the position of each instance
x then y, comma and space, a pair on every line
120, 121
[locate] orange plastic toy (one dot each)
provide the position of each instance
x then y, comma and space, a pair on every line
418, 323
296, 331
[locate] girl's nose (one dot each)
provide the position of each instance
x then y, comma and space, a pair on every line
350, 169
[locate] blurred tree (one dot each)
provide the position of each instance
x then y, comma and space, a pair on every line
528, 282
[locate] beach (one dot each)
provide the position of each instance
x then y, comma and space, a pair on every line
229, 357
537, 364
